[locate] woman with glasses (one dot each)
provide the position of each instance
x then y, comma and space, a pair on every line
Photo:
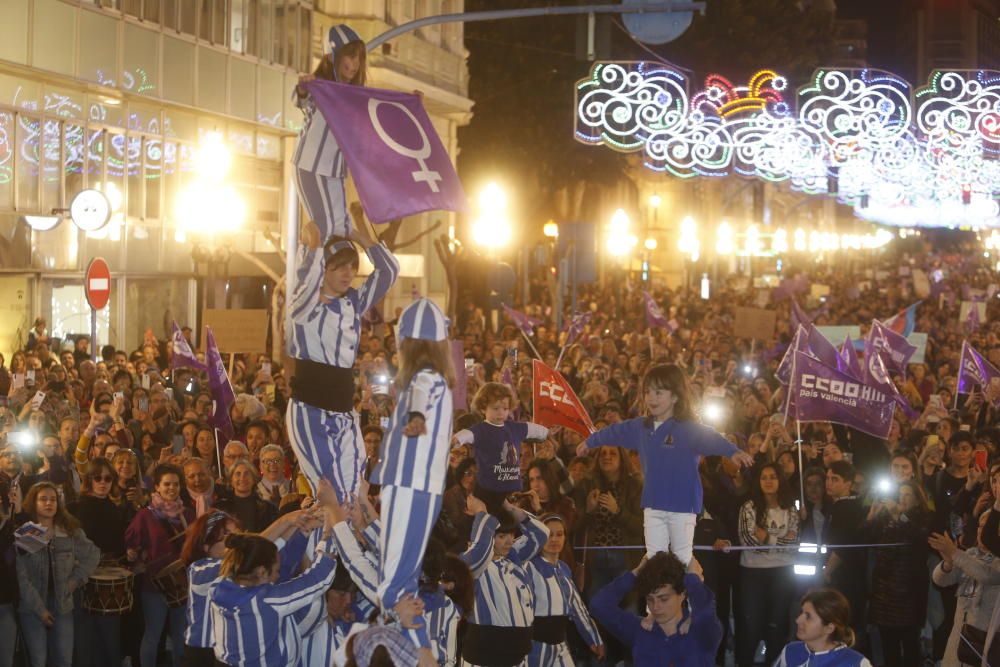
104, 520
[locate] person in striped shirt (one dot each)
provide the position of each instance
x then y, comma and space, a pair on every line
413, 460
255, 619
320, 168
500, 629
323, 329
556, 602
204, 547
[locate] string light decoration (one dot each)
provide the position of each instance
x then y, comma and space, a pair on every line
860, 135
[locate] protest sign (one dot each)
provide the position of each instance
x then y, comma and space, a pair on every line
238, 331
754, 323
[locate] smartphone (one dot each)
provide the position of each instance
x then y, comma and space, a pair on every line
143, 404
470, 363
119, 396
384, 423
29, 378
169, 391
981, 459
145, 381
177, 443
37, 400
935, 402
266, 367
513, 353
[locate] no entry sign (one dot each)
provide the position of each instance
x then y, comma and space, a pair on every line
97, 283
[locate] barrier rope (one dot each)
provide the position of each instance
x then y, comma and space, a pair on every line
805, 548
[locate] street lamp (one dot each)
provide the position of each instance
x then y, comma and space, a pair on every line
209, 205
551, 229
655, 201
650, 243
492, 228
724, 239
619, 240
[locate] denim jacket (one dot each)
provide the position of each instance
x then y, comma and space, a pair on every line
74, 559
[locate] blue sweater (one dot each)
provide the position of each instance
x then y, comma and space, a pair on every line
798, 654
653, 648
670, 457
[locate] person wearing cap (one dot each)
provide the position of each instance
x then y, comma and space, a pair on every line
319, 163
413, 463
323, 330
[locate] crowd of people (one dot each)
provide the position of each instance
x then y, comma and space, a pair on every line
350, 506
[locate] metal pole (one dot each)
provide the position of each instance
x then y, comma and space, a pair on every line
93, 334
661, 6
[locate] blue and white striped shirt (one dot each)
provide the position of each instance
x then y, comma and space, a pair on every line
320, 647
317, 150
421, 462
503, 588
203, 575
556, 595
328, 332
260, 625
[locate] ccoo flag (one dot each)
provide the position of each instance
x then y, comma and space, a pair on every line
183, 354
222, 391
398, 163
654, 314
555, 403
822, 393
974, 370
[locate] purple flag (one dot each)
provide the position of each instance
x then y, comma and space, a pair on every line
895, 348
183, 354
784, 371
799, 317
974, 370
877, 373
847, 360
576, 325
219, 386
822, 393
398, 163
522, 321
820, 347
654, 314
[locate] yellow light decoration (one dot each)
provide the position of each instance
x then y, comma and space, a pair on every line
799, 240
724, 239
779, 242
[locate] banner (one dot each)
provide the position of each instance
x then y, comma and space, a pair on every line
963, 312
522, 321
822, 393
756, 323
555, 403
974, 371
905, 321
847, 360
222, 391
238, 330
834, 333
398, 163
896, 348
183, 354
654, 314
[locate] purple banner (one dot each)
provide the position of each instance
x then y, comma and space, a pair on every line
218, 384
822, 393
183, 354
847, 360
398, 163
575, 327
799, 317
654, 314
521, 320
972, 322
895, 348
974, 371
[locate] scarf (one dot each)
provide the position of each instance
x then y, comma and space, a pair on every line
171, 510
202, 501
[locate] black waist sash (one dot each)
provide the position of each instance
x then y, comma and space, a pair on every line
549, 629
323, 386
492, 646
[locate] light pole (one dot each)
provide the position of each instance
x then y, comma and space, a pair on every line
492, 231
620, 242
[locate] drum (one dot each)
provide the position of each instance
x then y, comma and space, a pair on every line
108, 592
172, 581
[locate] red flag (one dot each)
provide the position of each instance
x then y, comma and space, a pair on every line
555, 403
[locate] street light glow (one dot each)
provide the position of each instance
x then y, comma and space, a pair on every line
209, 206
213, 157
650, 243
655, 201
551, 229
492, 228
724, 239
619, 222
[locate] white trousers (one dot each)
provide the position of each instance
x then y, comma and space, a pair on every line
669, 531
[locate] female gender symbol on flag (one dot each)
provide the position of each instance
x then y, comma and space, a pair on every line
397, 161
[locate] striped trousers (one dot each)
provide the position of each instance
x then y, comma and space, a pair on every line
408, 516
328, 445
325, 201
550, 655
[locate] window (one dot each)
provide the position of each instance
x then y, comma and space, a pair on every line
51, 159
98, 48
238, 21
28, 138
178, 70
141, 70
54, 43
136, 191
153, 163
6, 160
211, 79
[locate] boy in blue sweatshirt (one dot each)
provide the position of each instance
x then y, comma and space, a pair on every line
670, 444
